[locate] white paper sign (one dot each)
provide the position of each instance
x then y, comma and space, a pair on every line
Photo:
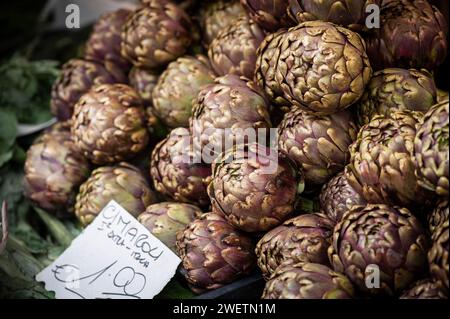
115, 257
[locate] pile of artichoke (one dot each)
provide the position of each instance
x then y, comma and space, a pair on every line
362, 134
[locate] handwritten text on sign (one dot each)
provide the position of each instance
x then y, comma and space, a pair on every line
114, 257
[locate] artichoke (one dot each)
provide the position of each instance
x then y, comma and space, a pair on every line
438, 216
109, 124
317, 143
156, 34
216, 16
177, 173
388, 238
76, 78
381, 168
233, 51
143, 81
307, 281
271, 15
425, 289
431, 150
122, 183
338, 197
305, 238
104, 42
351, 14
255, 187
165, 220
397, 90
213, 253
438, 255
178, 86
412, 35
229, 107
316, 65
54, 169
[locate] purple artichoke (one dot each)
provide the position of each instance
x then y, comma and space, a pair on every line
438, 255
389, 239
213, 253
144, 81
271, 15
425, 289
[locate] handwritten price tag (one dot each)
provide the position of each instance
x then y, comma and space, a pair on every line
114, 257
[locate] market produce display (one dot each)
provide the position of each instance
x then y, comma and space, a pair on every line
283, 140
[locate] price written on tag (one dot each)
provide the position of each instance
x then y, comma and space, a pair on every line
114, 257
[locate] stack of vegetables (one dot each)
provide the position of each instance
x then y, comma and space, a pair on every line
363, 134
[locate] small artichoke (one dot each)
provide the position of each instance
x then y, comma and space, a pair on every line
213, 253
305, 238
230, 106
338, 197
109, 124
317, 143
156, 34
351, 14
178, 86
307, 281
256, 188
397, 90
233, 51
381, 168
176, 171
103, 44
316, 65
388, 238
438, 216
54, 169
76, 78
165, 220
425, 289
438, 255
271, 15
122, 183
144, 81
216, 16
431, 150
412, 34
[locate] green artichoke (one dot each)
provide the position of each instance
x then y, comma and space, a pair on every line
438, 255
381, 168
256, 188
229, 107
351, 14
108, 124
178, 86
305, 238
431, 150
425, 289
156, 34
213, 253
438, 216
103, 44
177, 173
165, 220
338, 197
397, 90
307, 281
271, 15
316, 65
216, 16
122, 183
54, 169
412, 34
144, 81
233, 51
317, 143
379, 236
76, 78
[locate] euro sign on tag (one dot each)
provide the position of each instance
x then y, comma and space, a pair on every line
114, 257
